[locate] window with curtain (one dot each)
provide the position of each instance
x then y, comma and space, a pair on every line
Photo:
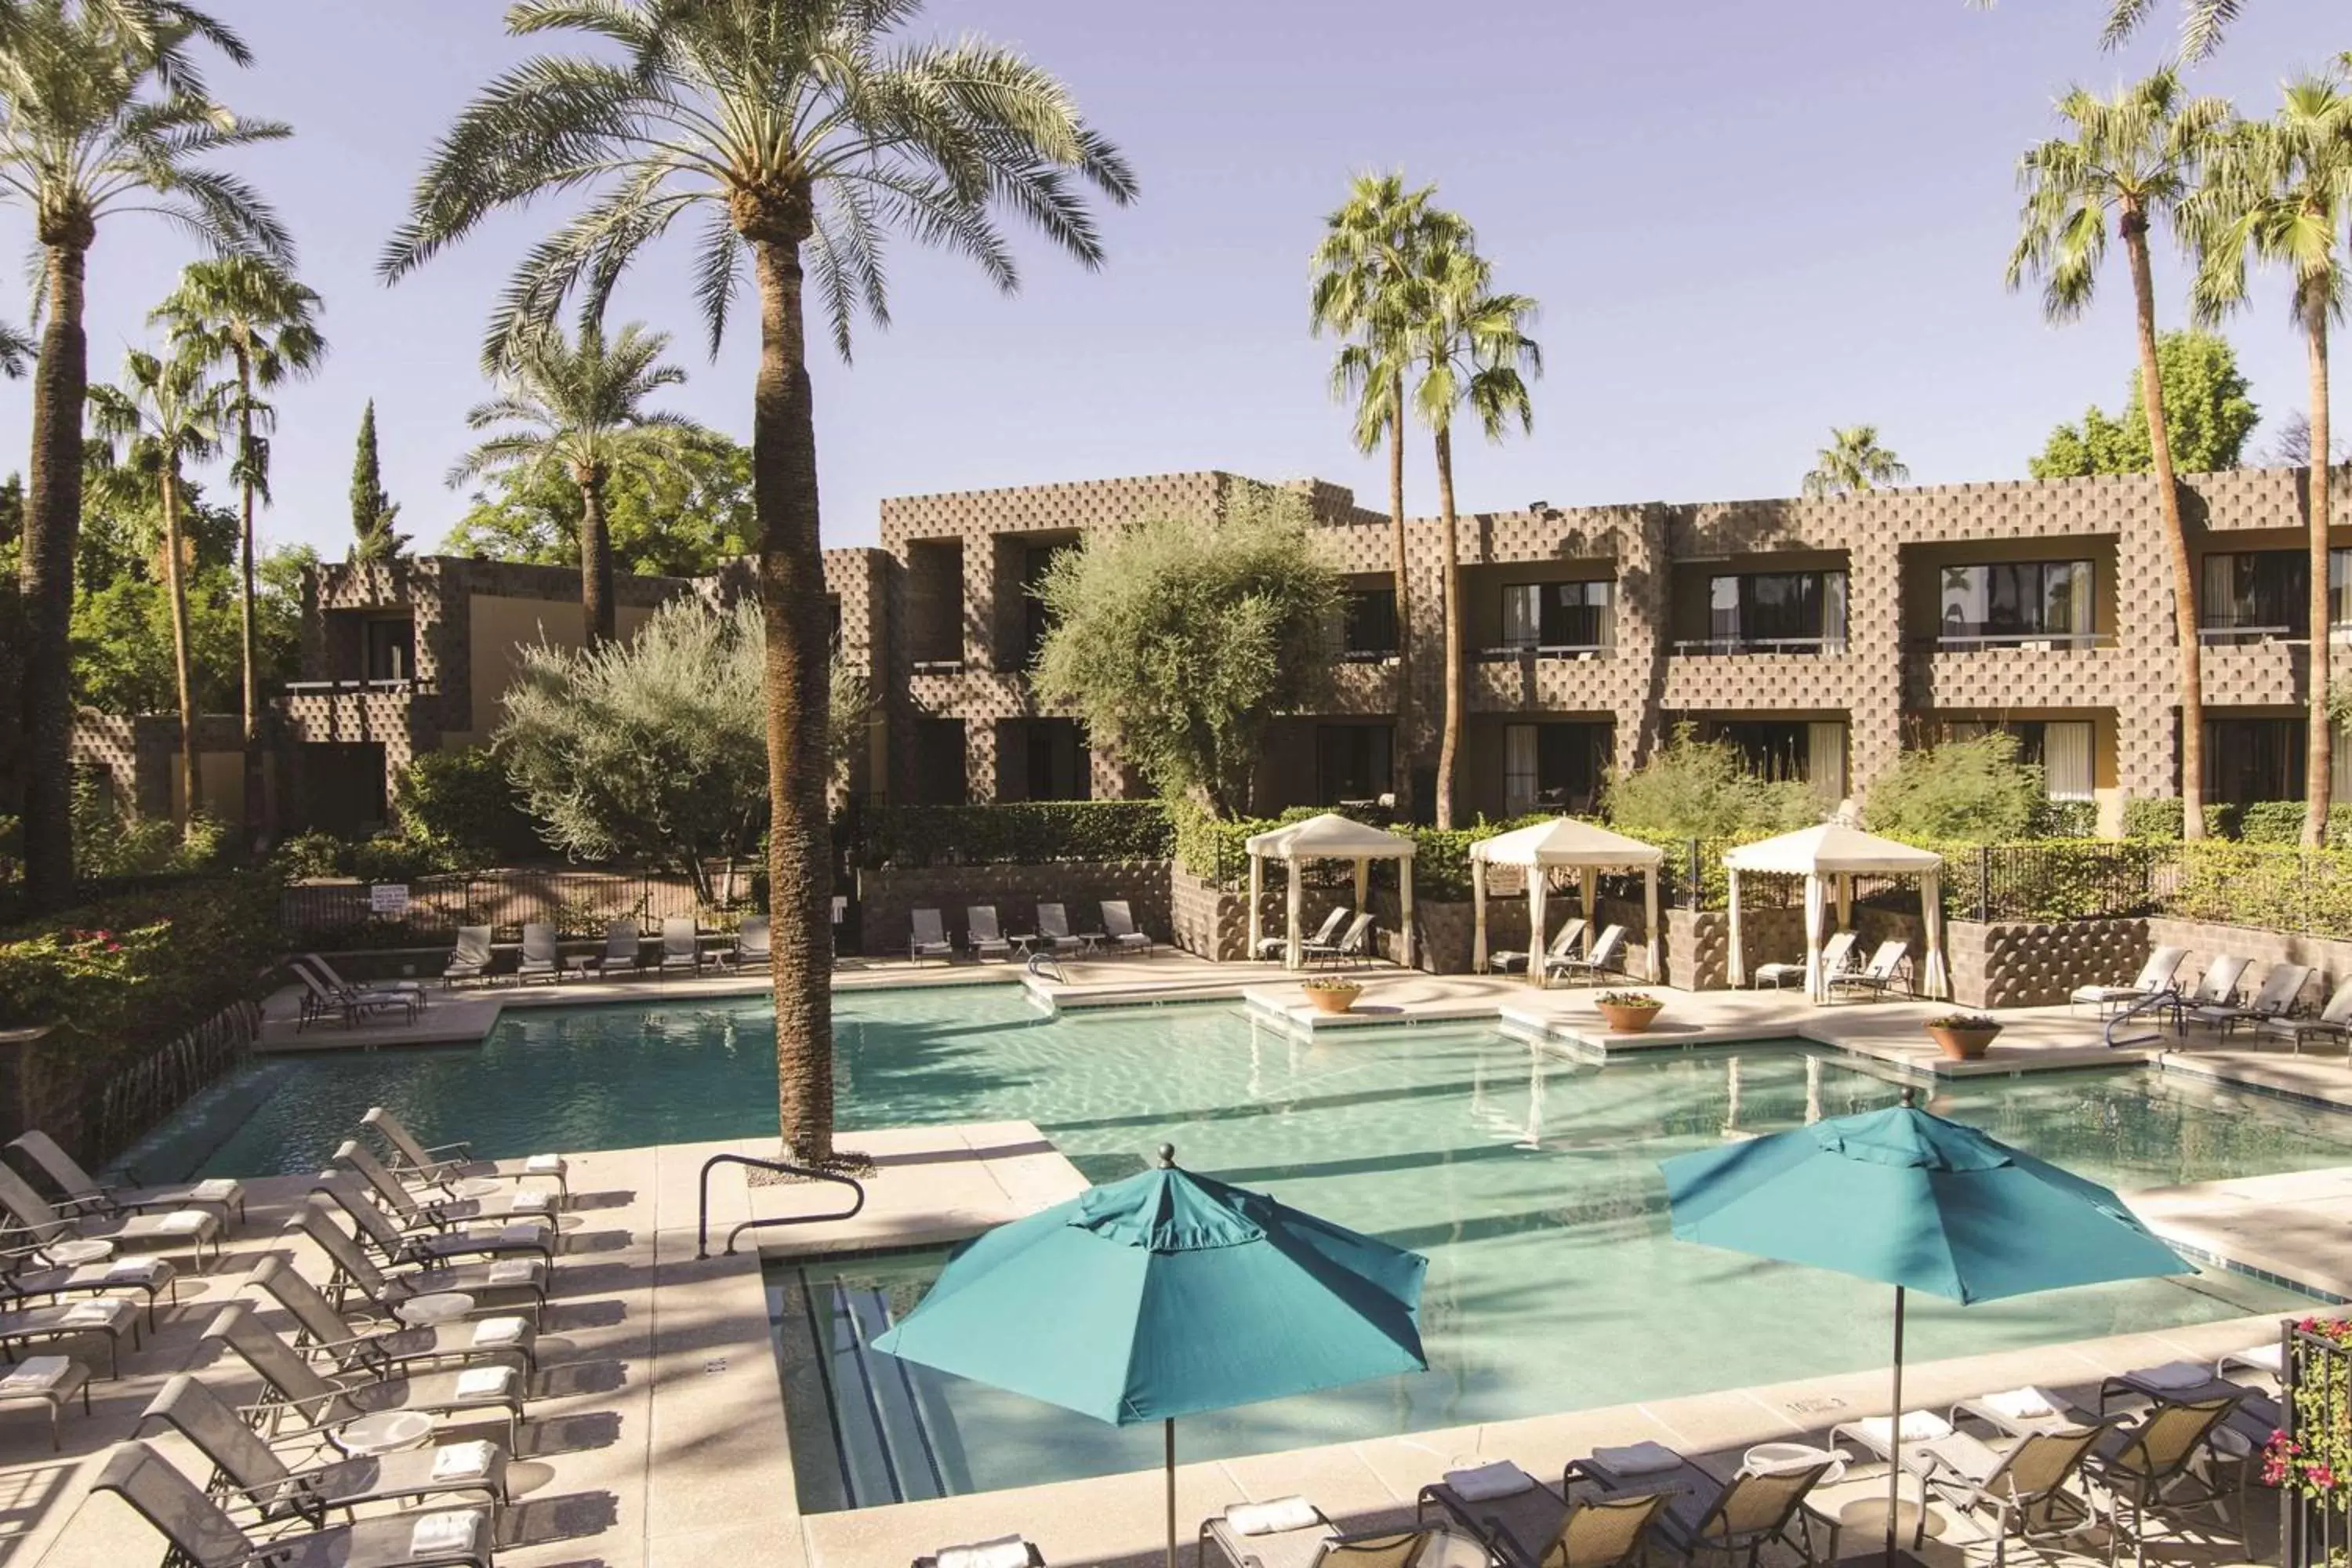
1557, 615
1782, 610
2066, 760
2016, 601
1352, 762
1519, 770
1552, 767
2268, 590
1370, 624
1826, 759
2254, 758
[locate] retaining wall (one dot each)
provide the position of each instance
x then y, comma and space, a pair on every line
889, 896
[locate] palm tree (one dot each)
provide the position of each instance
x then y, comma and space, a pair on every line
1853, 462
167, 414
1365, 269
798, 135
1468, 347
2282, 190
102, 110
2132, 161
581, 410
2203, 23
251, 314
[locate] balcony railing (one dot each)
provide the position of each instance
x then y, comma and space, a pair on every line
1368, 656
2030, 642
1716, 646
325, 687
937, 667
1508, 651
2242, 636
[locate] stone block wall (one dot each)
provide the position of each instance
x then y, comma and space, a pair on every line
889, 896
2330, 959
2038, 963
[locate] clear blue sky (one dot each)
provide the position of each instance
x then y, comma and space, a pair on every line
1746, 221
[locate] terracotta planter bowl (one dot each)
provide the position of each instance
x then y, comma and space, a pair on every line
1963, 1045
1622, 1020
1333, 998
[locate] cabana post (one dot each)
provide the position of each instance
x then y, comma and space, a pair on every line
1564, 841
1330, 837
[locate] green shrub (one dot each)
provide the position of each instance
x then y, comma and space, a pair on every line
111, 842
309, 855
2051, 879
2065, 819
459, 808
136, 969
393, 858
1025, 832
2160, 818
2272, 822
1974, 789
1702, 789
2273, 888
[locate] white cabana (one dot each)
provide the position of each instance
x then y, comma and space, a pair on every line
1563, 842
1329, 836
1829, 857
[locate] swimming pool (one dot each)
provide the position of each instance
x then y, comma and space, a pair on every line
1529, 1181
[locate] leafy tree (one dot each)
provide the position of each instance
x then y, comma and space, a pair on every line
653, 749
1853, 462
458, 807
799, 136
167, 414
103, 109
1366, 271
577, 409
2206, 408
251, 315
1974, 790
682, 518
1177, 644
1691, 788
2203, 23
2132, 161
374, 514
1468, 347
2281, 190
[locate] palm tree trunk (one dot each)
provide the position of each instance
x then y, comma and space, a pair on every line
248, 658
595, 560
1403, 749
1450, 746
2176, 528
793, 606
2319, 752
52, 528
182, 668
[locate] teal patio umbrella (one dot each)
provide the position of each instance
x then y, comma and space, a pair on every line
1922, 1204
1164, 1295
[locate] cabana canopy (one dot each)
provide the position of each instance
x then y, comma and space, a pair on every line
1329, 836
1562, 842
1828, 856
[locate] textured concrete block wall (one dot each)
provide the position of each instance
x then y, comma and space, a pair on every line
2038, 964
2330, 960
889, 896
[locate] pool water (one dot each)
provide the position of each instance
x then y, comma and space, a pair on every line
1530, 1182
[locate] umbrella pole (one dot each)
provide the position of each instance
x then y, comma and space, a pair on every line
1169, 1426
1895, 1434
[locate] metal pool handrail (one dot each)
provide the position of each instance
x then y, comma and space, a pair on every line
702, 1212
2154, 1002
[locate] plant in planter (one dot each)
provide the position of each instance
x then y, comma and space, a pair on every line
1963, 1037
1331, 992
1628, 1012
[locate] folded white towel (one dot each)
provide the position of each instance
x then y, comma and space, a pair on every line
513, 1271
482, 1382
457, 1462
181, 1221
1272, 1516
445, 1534
544, 1164
1643, 1458
1919, 1427
2265, 1358
2022, 1404
98, 1309
1501, 1479
34, 1374
2174, 1374
216, 1190
135, 1270
492, 1332
1004, 1552
531, 1200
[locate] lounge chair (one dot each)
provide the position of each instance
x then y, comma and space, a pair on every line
85, 1193
321, 1403
751, 949
29, 1274
623, 949
445, 1163
2154, 976
1882, 974
179, 1227
51, 1381
1561, 946
320, 1001
1272, 946
436, 1208
1733, 1518
2253, 1415
2281, 983
1054, 929
113, 1316
278, 1493
2218, 986
1291, 1532
2021, 1476
982, 934
429, 1245
681, 946
201, 1533
1120, 929
1007, 1551
1836, 953
323, 1331
2333, 1022
929, 938
327, 973
540, 959
1354, 945
520, 1281
470, 959
2152, 1463
1607, 957
1523, 1523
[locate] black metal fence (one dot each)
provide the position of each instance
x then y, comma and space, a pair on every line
576, 902
2310, 1459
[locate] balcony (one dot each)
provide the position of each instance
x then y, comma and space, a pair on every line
1362, 684
1549, 680
1712, 647
2010, 669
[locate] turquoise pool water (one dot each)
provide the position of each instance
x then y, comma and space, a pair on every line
1530, 1182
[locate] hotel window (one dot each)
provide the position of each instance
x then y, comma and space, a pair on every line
2015, 602
1778, 612
390, 650
2249, 595
1812, 752
1352, 762
2061, 748
1551, 767
1571, 615
2247, 759
1370, 624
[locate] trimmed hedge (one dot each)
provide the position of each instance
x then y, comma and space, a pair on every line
1028, 833
133, 969
2160, 819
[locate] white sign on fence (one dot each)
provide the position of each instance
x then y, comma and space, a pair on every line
388, 898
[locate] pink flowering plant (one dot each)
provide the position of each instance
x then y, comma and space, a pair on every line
2316, 1461
136, 969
